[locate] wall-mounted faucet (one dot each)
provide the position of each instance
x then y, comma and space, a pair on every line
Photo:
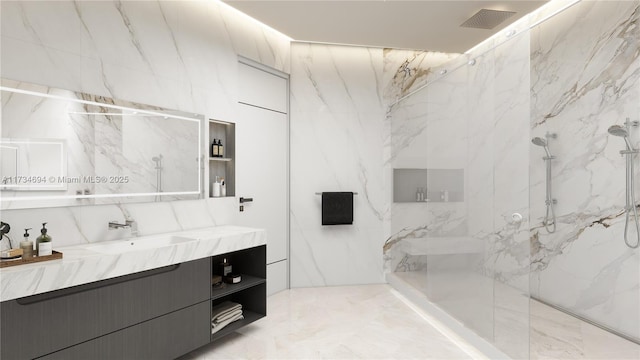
130, 224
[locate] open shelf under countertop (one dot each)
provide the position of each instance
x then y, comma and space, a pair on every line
247, 282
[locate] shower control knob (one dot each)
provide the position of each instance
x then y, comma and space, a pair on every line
516, 218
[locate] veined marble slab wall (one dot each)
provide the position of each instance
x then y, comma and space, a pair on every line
581, 66
339, 138
173, 54
584, 78
471, 118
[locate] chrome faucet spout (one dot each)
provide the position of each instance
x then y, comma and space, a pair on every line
128, 224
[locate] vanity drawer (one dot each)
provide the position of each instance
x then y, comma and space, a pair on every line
41, 324
166, 337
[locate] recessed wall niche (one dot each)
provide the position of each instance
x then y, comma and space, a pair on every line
222, 160
428, 185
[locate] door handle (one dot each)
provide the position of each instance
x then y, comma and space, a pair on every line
244, 200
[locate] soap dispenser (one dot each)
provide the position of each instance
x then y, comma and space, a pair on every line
214, 149
26, 246
43, 242
220, 148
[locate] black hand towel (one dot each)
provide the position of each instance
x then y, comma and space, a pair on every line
337, 208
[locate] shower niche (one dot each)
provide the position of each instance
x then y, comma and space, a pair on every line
221, 157
428, 185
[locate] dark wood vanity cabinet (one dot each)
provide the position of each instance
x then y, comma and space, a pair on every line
156, 314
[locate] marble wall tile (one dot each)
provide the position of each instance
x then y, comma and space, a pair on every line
405, 71
584, 78
174, 54
508, 257
152, 52
88, 224
418, 127
192, 214
340, 142
34, 63
471, 118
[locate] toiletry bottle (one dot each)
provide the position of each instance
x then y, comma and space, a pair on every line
215, 188
26, 246
223, 188
43, 242
220, 148
445, 195
214, 149
418, 195
225, 268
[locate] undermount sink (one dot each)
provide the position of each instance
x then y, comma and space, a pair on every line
121, 246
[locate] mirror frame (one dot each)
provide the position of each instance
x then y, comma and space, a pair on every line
120, 105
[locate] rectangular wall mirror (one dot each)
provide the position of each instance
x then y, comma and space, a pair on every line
64, 148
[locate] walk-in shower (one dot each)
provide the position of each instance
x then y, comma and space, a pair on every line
630, 202
549, 221
528, 290
158, 161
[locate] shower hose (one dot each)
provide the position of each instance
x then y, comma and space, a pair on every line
631, 205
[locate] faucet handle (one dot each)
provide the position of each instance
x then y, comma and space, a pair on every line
133, 225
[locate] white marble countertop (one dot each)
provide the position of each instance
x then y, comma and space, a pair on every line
81, 265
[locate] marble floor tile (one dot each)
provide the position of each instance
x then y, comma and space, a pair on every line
552, 334
556, 335
347, 322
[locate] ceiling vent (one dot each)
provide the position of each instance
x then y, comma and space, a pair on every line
487, 19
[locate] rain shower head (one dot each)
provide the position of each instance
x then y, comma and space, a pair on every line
542, 142
617, 130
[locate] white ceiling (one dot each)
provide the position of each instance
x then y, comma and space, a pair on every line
419, 24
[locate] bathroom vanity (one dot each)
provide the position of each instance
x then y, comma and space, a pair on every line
144, 298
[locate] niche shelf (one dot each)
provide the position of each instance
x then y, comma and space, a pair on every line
433, 182
224, 167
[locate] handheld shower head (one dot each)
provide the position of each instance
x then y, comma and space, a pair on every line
617, 130
541, 142
158, 161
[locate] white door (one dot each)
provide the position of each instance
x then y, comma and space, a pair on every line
262, 143
261, 164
